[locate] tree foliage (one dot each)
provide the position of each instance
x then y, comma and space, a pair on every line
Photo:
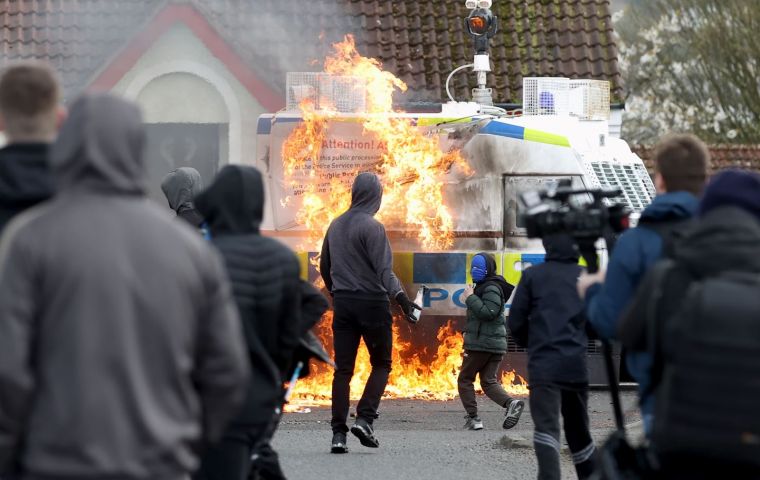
691, 66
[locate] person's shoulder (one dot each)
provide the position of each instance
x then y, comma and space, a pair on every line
640, 237
174, 230
33, 222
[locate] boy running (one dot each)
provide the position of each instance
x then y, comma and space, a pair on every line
485, 342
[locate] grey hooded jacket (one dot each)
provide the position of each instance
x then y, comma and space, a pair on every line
121, 350
356, 257
181, 186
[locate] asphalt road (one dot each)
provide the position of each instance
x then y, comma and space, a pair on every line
425, 441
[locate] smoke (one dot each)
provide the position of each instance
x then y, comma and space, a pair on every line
286, 36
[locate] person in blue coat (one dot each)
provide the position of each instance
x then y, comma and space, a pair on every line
681, 164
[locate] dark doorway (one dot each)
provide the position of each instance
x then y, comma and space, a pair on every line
174, 145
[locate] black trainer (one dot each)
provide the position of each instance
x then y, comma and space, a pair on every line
365, 433
339, 443
512, 415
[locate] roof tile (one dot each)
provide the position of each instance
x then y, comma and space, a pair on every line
420, 41
723, 156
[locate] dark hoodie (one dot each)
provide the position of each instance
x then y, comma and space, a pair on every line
25, 178
181, 186
265, 283
547, 316
493, 278
356, 256
120, 345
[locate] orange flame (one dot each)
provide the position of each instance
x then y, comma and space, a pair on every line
411, 376
411, 164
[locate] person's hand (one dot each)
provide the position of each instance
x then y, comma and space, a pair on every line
588, 279
407, 306
468, 290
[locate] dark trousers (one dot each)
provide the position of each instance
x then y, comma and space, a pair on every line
230, 459
485, 365
546, 404
353, 320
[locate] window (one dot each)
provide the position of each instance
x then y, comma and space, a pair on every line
173, 145
514, 186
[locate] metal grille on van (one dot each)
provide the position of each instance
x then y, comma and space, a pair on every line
638, 191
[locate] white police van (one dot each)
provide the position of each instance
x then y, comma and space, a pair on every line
561, 133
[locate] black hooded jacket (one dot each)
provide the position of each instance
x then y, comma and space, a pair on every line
547, 316
25, 178
180, 187
265, 283
356, 257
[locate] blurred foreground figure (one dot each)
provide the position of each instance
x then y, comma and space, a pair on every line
698, 315
266, 285
29, 111
681, 163
121, 351
181, 186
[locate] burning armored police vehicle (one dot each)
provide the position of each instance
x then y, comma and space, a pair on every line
452, 179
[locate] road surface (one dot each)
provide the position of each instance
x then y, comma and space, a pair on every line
422, 440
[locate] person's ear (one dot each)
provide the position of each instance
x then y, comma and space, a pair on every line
659, 183
61, 114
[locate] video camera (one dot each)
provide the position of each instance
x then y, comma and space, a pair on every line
551, 211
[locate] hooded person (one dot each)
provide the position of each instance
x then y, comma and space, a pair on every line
266, 287
356, 265
181, 186
547, 316
121, 350
485, 342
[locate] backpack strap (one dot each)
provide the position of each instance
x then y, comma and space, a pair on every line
671, 232
659, 274
665, 276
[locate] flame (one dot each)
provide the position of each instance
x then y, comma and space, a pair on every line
412, 167
411, 376
411, 164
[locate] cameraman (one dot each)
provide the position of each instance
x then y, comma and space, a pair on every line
547, 317
681, 163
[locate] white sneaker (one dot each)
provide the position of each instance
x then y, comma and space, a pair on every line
473, 423
512, 415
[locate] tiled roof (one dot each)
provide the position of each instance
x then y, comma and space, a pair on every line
77, 37
425, 40
420, 41
723, 156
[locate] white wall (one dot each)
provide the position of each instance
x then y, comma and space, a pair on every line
179, 80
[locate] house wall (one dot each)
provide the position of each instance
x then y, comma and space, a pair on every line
178, 80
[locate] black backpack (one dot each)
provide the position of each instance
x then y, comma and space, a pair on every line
709, 391
672, 233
